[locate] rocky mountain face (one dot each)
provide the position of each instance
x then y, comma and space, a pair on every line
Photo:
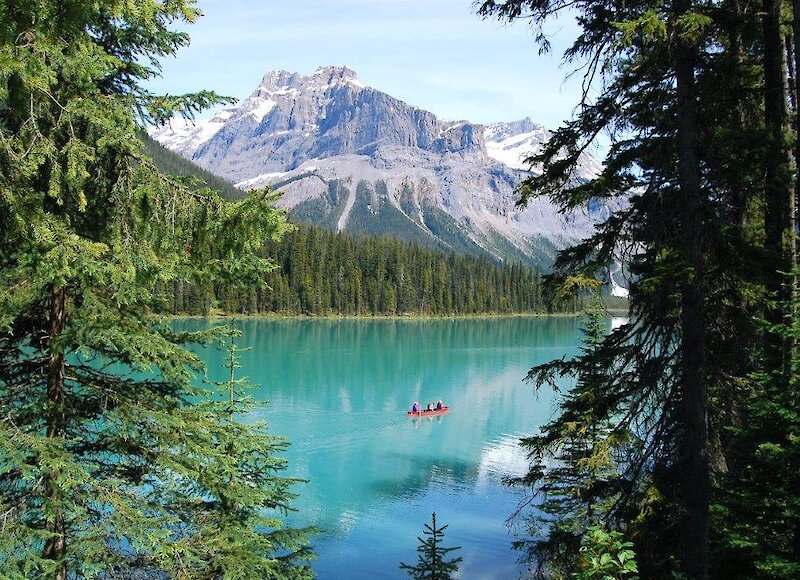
352, 158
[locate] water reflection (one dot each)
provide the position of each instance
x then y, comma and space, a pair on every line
618, 321
339, 391
502, 458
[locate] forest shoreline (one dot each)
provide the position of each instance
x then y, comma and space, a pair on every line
408, 317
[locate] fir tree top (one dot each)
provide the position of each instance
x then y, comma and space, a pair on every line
432, 561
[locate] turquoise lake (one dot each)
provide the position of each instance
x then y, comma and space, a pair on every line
339, 391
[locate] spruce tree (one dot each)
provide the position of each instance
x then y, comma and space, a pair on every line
691, 95
432, 563
757, 511
245, 474
114, 461
575, 469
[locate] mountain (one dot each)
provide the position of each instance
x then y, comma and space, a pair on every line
322, 272
355, 159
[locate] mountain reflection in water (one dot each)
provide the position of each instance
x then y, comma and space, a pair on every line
339, 390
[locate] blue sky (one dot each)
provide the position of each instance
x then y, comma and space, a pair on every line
434, 54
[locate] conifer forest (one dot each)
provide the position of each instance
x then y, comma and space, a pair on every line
674, 447
325, 273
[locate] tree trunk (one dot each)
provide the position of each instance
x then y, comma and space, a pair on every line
694, 486
793, 194
778, 184
55, 547
793, 203
740, 198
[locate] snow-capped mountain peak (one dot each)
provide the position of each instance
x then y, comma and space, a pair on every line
277, 79
512, 143
354, 158
276, 87
506, 130
331, 75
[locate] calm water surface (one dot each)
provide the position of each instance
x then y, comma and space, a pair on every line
338, 390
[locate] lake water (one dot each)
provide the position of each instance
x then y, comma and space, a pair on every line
339, 390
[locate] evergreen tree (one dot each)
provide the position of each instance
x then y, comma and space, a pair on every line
758, 508
576, 459
113, 461
694, 97
432, 561
247, 488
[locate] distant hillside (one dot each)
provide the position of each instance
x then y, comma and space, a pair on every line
354, 159
173, 164
322, 272
370, 215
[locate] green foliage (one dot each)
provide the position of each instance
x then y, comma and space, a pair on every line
692, 96
606, 556
432, 561
322, 272
576, 463
648, 27
757, 512
113, 461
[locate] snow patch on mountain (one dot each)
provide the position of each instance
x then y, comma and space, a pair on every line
184, 136
328, 140
260, 109
513, 143
259, 180
513, 151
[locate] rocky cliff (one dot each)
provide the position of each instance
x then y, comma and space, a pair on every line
353, 158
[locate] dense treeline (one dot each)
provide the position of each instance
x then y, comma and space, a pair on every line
320, 272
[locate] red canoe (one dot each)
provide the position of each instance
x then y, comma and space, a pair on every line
424, 413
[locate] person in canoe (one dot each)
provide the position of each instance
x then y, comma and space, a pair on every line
429, 410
